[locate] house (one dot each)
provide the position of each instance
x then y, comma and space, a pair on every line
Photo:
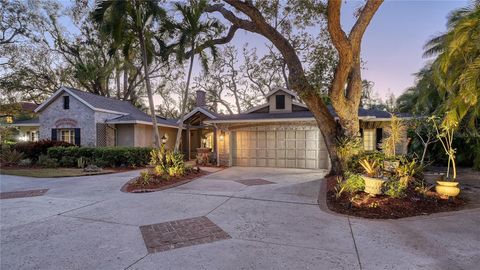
23, 114
87, 119
282, 132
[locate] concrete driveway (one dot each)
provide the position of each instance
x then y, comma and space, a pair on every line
87, 223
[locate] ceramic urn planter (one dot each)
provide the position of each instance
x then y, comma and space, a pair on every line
373, 186
447, 188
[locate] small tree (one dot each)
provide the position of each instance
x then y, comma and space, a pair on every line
426, 134
394, 135
445, 133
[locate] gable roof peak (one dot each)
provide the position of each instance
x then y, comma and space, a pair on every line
277, 89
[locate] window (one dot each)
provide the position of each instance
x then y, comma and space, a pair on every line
369, 139
66, 102
280, 102
9, 119
33, 136
67, 135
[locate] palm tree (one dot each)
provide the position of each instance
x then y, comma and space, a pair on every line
125, 19
456, 69
192, 32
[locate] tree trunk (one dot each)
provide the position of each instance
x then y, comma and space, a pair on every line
184, 103
149, 90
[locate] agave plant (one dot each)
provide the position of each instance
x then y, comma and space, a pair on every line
370, 168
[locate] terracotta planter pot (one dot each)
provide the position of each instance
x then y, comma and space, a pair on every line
447, 189
373, 186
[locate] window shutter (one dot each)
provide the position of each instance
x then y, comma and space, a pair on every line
54, 134
77, 136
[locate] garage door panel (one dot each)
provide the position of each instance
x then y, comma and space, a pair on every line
265, 146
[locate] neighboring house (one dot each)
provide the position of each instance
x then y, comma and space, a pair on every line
280, 133
87, 119
23, 116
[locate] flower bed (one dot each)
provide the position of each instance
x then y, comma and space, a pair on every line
413, 203
136, 185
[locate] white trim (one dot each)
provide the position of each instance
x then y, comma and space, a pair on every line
260, 120
257, 108
281, 89
197, 109
138, 122
299, 104
24, 125
64, 89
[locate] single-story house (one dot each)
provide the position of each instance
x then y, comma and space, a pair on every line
280, 133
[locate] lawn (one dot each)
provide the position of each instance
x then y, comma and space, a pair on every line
49, 172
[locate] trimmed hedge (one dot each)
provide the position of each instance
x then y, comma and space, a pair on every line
32, 150
101, 156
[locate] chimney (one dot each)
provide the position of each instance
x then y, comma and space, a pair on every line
201, 98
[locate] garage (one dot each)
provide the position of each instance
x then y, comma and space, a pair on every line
280, 146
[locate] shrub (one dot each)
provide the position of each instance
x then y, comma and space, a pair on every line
47, 162
33, 150
9, 156
353, 183
396, 189
167, 162
347, 148
25, 162
102, 156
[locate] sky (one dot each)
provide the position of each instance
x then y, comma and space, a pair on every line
392, 45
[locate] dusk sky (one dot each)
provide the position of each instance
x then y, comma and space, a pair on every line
392, 46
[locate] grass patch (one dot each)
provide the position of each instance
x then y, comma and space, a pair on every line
50, 172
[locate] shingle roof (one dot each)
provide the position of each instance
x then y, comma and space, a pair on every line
301, 114
122, 106
33, 121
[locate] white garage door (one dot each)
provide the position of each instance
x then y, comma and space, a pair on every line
279, 146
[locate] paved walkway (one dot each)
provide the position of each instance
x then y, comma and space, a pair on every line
87, 223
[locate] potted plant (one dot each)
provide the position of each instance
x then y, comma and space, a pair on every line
445, 133
373, 185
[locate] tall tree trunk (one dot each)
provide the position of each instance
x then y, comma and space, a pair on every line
117, 82
184, 103
149, 90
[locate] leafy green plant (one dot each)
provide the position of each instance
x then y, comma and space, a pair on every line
145, 178
9, 156
370, 167
395, 135
25, 162
348, 147
395, 189
407, 170
353, 183
47, 162
445, 134
176, 164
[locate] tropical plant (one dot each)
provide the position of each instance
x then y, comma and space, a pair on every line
347, 147
395, 135
370, 168
124, 20
396, 189
445, 133
193, 31
456, 69
9, 156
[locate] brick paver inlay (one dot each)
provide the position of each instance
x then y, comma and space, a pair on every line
254, 182
181, 233
22, 194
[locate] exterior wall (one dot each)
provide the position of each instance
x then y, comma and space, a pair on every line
143, 136
223, 143
83, 117
125, 134
288, 102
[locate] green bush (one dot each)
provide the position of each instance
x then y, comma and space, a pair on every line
33, 150
47, 162
396, 189
102, 156
9, 156
353, 182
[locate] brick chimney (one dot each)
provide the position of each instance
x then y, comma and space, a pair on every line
201, 98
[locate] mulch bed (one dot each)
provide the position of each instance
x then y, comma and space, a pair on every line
385, 207
161, 184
